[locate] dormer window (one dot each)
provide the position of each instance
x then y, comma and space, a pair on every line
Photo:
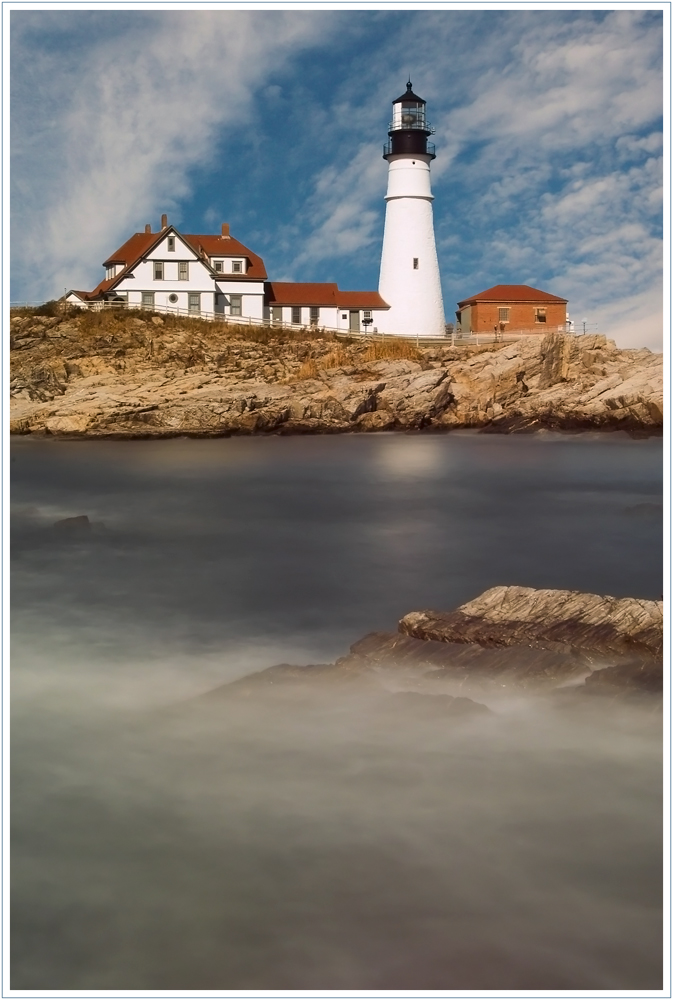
237, 267
110, 272
171, 242
218, 265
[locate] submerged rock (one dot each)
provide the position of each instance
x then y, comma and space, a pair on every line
79, 525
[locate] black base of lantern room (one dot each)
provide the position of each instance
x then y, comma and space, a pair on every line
412, 142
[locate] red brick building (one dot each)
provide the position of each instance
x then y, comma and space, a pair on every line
512, 309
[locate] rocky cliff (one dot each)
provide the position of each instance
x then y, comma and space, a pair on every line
124, 375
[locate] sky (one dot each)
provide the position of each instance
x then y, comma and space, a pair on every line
548, 133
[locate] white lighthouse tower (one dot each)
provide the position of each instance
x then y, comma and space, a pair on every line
409, 280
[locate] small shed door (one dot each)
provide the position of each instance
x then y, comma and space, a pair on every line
354, 321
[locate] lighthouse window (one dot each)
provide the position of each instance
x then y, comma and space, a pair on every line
415, 263
411, 116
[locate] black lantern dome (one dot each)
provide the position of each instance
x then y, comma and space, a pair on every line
409, 129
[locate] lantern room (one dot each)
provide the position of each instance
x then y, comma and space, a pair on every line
409, 129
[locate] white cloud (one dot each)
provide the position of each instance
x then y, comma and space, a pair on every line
341, 203
633, 321
123, 122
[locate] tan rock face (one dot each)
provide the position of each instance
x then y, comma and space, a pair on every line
507, 639
546, 619
123, 375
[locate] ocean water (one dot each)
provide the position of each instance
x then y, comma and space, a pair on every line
167, 839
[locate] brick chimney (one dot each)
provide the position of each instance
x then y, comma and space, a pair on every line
164, 221
225, 231
148, 228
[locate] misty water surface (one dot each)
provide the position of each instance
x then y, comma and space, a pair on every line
162, 840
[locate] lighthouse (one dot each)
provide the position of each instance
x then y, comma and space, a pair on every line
409, 279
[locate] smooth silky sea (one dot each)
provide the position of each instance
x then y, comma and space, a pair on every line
166, 841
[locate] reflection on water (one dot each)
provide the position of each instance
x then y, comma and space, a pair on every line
162, 842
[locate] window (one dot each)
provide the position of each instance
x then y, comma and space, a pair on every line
344, 315
195, 302
110, 272
218, 266
315, 315
237, 267
276, 314
158, 270
540, 315
183, 270
236, 305
172, 298
148, 300
296, 314
171, 242
415, 263
503, 314
367, 314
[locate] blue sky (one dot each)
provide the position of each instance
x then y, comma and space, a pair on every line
549, 144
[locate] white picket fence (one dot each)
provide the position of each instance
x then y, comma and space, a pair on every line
457, 339
251, 321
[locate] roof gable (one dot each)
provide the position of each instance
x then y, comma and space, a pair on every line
140, 244
222, 246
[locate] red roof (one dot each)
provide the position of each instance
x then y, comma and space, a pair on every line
360, 300
220, 246
214, 246
133, 249
513, 293
315, 293
297, 293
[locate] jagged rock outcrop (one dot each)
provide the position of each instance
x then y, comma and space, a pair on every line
508, 639
546, 619
124, 376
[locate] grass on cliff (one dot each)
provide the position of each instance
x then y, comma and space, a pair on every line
354, 353
190, 342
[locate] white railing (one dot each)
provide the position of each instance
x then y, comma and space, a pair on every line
210, 317
456, 338
509, 336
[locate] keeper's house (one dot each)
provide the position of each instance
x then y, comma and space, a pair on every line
512, 308
209, 275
